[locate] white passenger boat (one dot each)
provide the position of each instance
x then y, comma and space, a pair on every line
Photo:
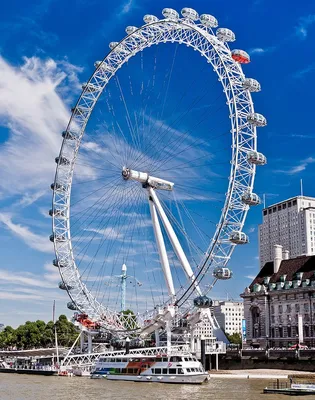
179, 367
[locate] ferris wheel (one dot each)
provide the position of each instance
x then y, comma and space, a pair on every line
161, 175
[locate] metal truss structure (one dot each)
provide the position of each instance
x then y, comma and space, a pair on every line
199, 34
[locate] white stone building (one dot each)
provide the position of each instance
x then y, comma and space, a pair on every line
290, 223
279, 305
229, 315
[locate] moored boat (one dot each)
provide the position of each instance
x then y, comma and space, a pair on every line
144, 367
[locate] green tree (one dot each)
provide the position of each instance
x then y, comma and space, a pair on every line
235, 338
129, 319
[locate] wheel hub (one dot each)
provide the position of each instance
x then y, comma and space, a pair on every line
146, 179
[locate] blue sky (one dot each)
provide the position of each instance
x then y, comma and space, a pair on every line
47, 49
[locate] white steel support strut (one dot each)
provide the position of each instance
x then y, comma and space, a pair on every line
162, 250
173, 239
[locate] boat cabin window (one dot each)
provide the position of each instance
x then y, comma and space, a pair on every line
124, 370
188, 369
172, 371
180, 370
175, 359
157, 371
164, 359
164, 371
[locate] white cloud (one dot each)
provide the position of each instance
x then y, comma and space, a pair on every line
304, 71
304, 23
251, 277
26, 279
37, 242
261, 50
126, 7
300, 167
35, 114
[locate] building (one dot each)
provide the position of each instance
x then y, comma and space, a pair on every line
279, 304
290, 223
229, 315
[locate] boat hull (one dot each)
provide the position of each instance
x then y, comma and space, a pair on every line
190, 379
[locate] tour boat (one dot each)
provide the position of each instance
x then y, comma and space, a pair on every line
144, 367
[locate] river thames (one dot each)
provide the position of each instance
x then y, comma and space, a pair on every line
23, 387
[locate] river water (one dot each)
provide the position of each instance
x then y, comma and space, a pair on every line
24, 387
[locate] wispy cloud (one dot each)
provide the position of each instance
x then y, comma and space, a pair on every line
251, 277
304, 71
27, 279
262, 50
34, 113
35, 241
300, 167
126, 7
304, 23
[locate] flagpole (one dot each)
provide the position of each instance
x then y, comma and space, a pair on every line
56, 339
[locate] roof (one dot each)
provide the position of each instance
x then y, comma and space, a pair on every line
305, 264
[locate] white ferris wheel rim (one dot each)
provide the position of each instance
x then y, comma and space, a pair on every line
242, 173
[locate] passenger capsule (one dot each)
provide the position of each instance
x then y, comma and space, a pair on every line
238, 237
149, 19
170, 13
112, 45
64, 286
58, 187
222, 273
256, 119
57, 264
89, 87
190, 13
78, 110
62, 161
240, 56
56, 212
131, 29
208, 20
55, 238
68, 135
72, 306
257, 158
251, 199
202, 302
251, 85
225, 34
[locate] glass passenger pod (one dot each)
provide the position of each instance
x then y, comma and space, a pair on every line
103, 66
170, 14
57, 264
251, 85
55, 238
257, 158
56, 212
202, 302
225, 34
239, 237
64, 286
240, 56
57, 187
209, 21
149, 19
190, 13
257, 119
88, 87
222, 273
119, 48
131, 29
251, 199
68, 135
62, 161
72, 306
77, 111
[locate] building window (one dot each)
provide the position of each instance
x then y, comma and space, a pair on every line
297, 308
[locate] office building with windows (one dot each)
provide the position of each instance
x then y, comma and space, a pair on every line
290, 223
229, 315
